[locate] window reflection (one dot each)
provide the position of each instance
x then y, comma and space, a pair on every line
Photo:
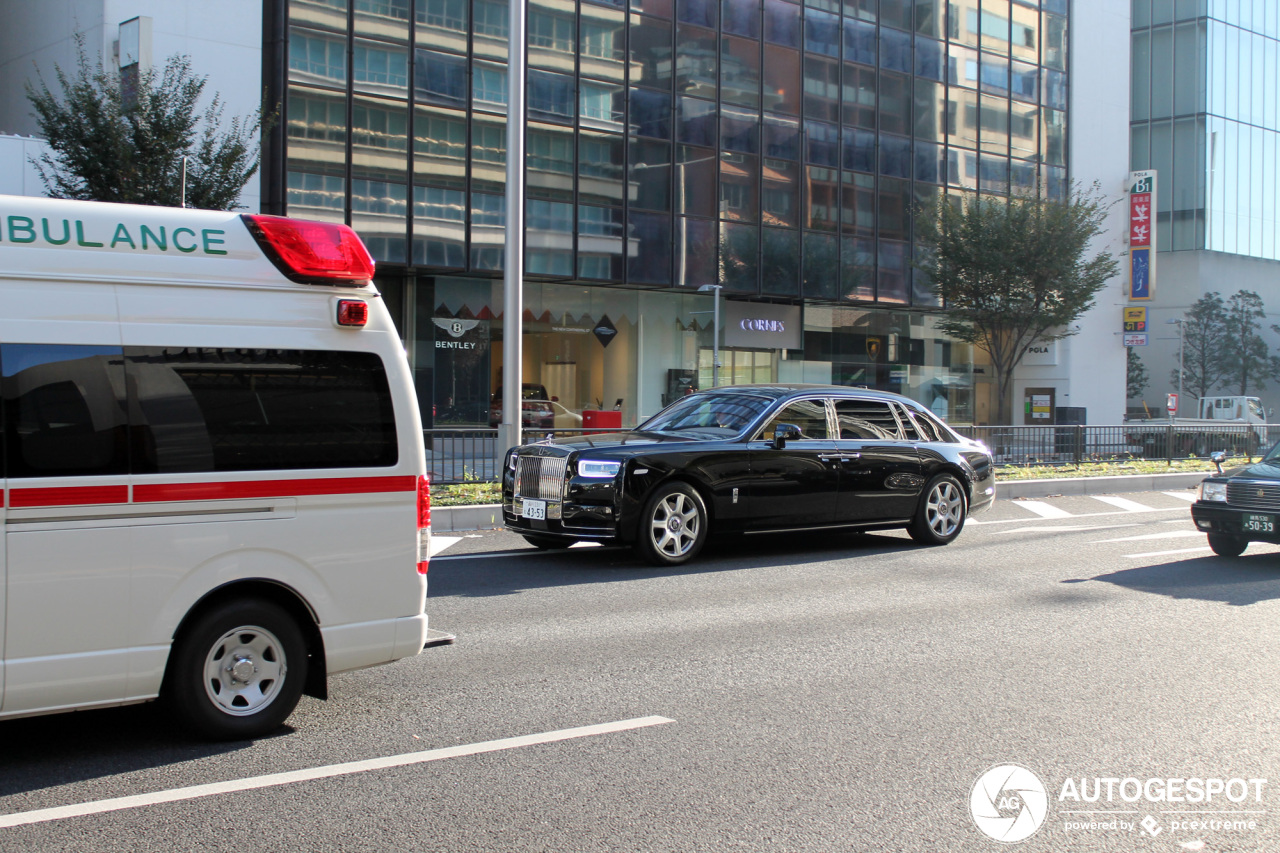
439, 234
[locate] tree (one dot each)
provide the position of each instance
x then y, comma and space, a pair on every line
1137, 379
1245, 355
1014, 271
1203, 339
126, 144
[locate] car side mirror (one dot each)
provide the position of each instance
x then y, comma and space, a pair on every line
783, 433
1217, 457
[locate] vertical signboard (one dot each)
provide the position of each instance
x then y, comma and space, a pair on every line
1142, 235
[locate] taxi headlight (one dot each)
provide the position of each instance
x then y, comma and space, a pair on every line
598, 469
1213, 492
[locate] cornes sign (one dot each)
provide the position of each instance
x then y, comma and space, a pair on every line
760, 325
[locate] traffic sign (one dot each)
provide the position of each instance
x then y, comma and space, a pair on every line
1171, 403
1135, 339
1135, 319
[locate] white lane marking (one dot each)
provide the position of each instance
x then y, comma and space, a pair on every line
1169, 553
531, 552
969, 521
1189, 497
276, 779
1168, 534
439, 543
1123, 503
1062, 529
587, 545
1043, 509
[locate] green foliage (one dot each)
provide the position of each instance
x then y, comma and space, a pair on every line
1014, 271
126, 143
1245, 355
1137, 378
1203, 342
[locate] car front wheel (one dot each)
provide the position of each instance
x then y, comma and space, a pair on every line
1227, 546
940, 516
674, 525
237, 670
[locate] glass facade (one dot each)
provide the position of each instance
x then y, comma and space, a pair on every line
775, 149
1206, 117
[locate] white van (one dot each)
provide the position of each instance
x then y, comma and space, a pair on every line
214, 481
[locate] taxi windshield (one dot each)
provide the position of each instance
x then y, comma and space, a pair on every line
708, 411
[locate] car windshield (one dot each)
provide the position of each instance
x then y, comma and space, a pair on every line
708, 411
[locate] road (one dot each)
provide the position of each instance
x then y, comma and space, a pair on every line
789, 693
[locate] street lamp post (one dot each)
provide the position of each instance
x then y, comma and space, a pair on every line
714, 290
1177, 321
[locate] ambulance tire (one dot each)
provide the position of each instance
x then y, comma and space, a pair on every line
237, 670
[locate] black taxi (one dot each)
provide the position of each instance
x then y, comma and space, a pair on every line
1240, 506
751, 459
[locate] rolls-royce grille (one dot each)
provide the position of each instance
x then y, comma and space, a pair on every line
1254, 496
540, 477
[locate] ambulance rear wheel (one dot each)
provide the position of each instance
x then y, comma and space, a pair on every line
237, 671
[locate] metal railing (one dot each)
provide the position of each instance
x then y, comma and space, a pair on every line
470, 455
1061, 444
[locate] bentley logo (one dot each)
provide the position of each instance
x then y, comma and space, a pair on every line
455, 328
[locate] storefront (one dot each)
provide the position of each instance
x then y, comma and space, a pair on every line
593, 349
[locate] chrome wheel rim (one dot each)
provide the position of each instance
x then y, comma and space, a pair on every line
675, 525
244, 670
944, 509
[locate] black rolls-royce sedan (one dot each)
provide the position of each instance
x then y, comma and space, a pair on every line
751, 459
1240, 506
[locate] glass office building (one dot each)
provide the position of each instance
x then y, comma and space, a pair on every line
1206, 117
772, 148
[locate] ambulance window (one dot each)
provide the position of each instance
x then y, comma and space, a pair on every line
63, 410
214, 409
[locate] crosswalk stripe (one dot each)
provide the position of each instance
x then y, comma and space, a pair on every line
1043, 509
1123, 503
1166, 534
1189, 497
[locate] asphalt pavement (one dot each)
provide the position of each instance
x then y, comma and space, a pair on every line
833, 692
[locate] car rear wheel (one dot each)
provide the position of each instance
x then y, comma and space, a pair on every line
940, 516
237, 670
674, 525
1227, 546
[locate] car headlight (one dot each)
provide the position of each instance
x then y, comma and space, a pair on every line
511, 460
1213, 492
598, 469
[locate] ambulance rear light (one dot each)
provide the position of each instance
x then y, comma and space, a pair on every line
424, 523
312, 252
352, 312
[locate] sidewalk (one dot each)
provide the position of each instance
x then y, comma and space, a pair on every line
454, 519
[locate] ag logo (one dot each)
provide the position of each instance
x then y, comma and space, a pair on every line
455, 328
1008, 803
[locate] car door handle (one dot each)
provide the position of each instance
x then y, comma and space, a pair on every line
841, 457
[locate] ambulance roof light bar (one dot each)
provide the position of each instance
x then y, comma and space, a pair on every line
311, 252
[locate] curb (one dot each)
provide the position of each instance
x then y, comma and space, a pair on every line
1119, 484
457, 519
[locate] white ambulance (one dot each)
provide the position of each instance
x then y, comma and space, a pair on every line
214, 481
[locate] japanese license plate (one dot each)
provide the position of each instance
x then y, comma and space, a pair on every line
1259, 524
534, 509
